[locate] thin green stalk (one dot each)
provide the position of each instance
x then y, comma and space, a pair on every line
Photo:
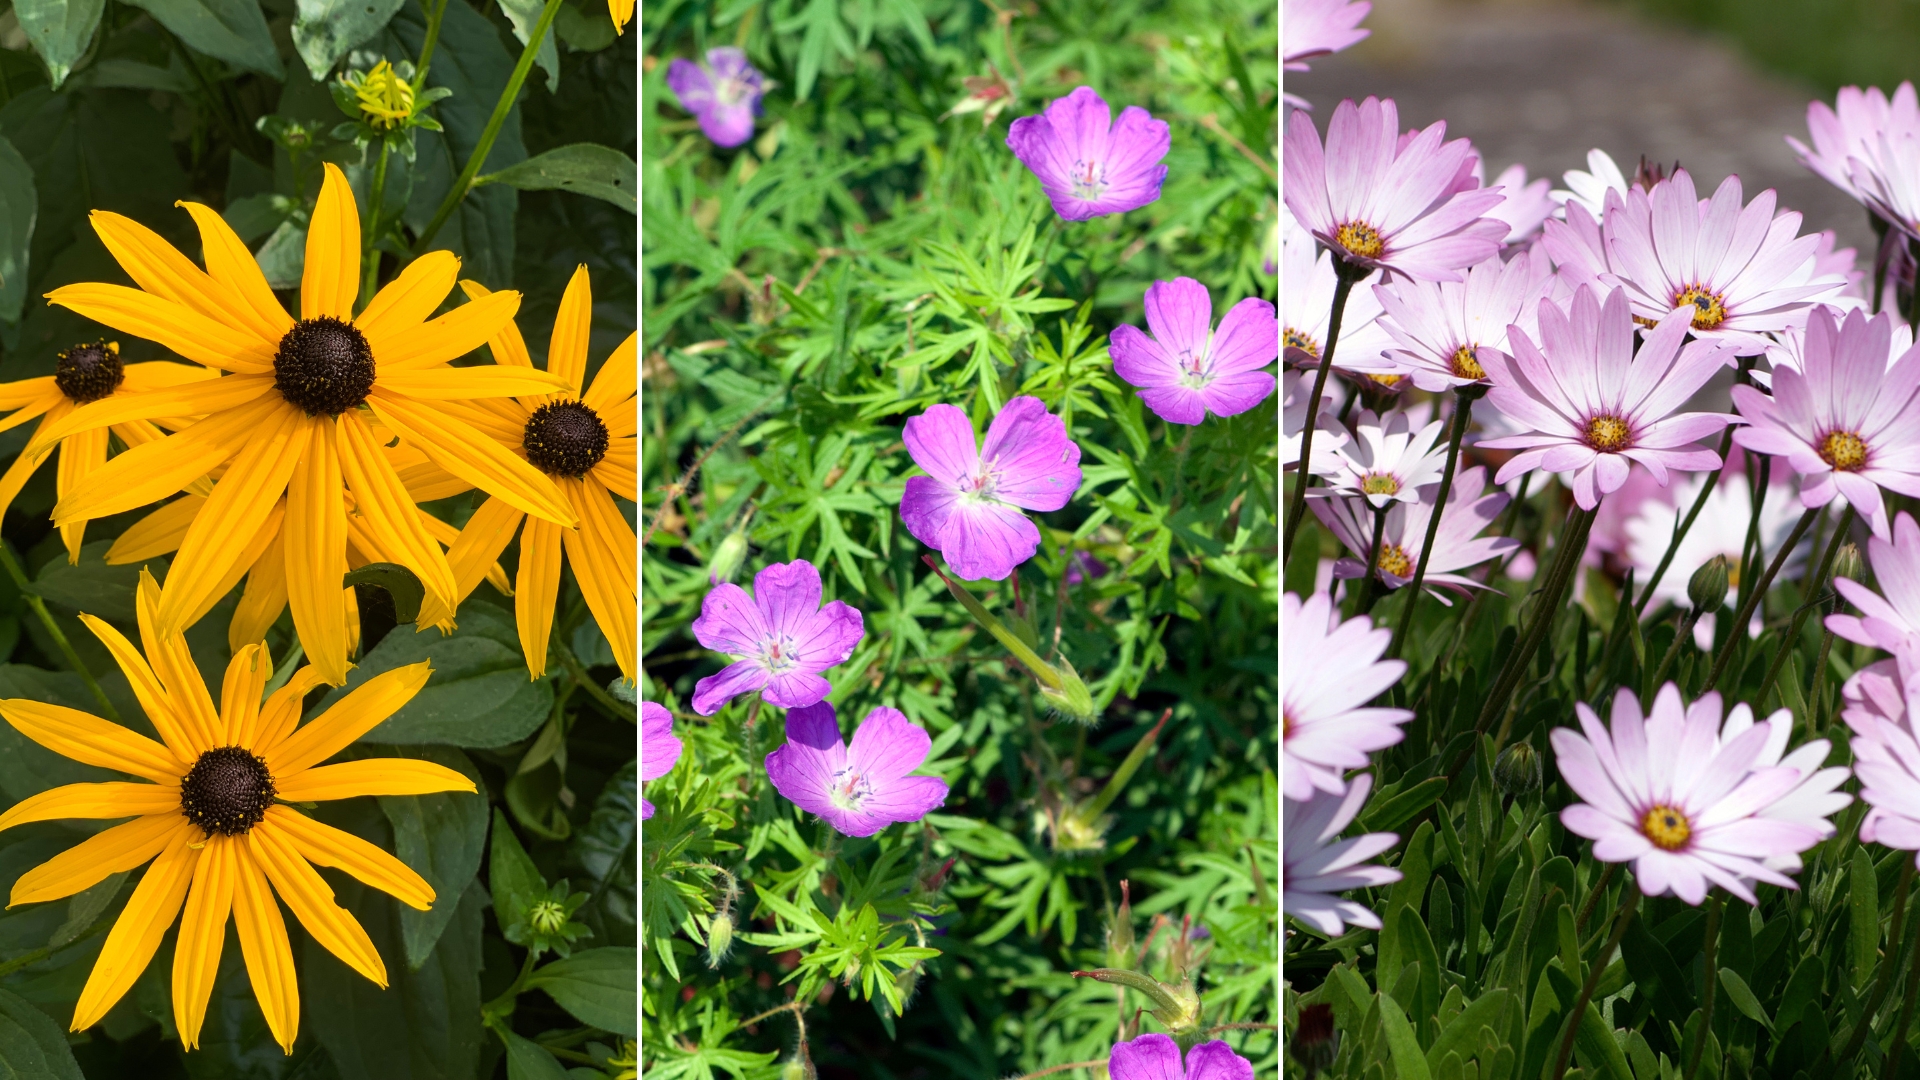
1347, 277
369, 254
1372, 587
1666, 662
492, 131
1815, 585
1750, 597
1686, 525
1913, 982
1712, 975
1889, 965
58, 635
1463, 398
1579, 1011
435, 13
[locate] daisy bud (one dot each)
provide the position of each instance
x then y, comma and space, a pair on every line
1518, 770
1315, 1041
1847, 563
1708, 586
727, 558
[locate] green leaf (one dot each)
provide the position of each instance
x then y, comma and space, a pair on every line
1742, 997
32, 1046
525, 17
479, 694
1408, 1062
1599, 1043
515, 881
606, 852
19, 206
324, 30
60, 31
230, 30
596, 986
528, 1060
398, 582
442, 836
26, 767
587, 168
1460, 1032
1393, 812
91, 587
1864, 918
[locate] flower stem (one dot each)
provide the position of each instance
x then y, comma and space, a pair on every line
1579, 1011
1593, 896
436, 12
1372, 587
1666, 662
1462, 416
1815, 585
1750, 597
369, 254
1913, 987
58, 635
1889, 965
1346, 278
1712, 977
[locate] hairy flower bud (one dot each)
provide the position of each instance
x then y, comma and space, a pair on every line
1847, 563
1518, 769
1120, 934
1708, 586
719, 939
727, 557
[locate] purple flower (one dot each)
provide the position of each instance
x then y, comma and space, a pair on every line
1087, 164
1187, 369
968, 505
858, 789
1157, 1057
723, 93
781, 635
659, 750
1082, 566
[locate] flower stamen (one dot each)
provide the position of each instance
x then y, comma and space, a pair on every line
1395, 560
1607, 433
1846, 451
1667, 827
1360, 240
1709, 307
1466, 363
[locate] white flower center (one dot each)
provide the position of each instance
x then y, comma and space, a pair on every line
848, 789
1194, 367
729, 91
980, 487
1089, 179
777, 654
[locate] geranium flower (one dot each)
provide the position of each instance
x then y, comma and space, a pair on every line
1089, 164
1721, 529
1378, 200
1441, 326
722, 92
1850, 130
1388, 462
1457, 546
1892, 621
1187, 368
659, 748
297, 415
781, 636
1329, 671
858, 789
1316, 866
968, 505
1594, 407
213, 817
1845, 421
1671, 795
1157, 1057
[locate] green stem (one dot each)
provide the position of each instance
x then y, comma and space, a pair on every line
30, 958
1463, 398
1371, 588
1593, 896
501, 108
1913, 981
1666, 662
502, 1006
59, 636
370, 254
1750, 598
1579, 1012
1889, 965
578, 672
1699, 504
1706, 1008
1131, 765
1347, 277
434, 17
1815, 585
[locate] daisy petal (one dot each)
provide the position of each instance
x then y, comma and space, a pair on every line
352, 716
329, 846
137, 932
461, 450
371, 776
93, 860
263, 934
331, 280
92, 741
114, 799
203, 936
313, 903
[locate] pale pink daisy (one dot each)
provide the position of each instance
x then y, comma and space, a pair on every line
1441, 326
1668, 794
1721, 529
1457, 546
1316, 866
1593, 407
1388, 461
1845, 421
1814, 800
1328, 435
1851, 128
1381, 201
1889, 619
1526, 206
1881, 700
1316, 28
1588, 190
1308, 281
1329, 671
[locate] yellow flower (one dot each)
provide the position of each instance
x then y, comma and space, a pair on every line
83, 374
209, 821
622, 12
386, 99
305, 412
588, 443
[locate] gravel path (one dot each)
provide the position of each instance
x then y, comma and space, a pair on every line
1542, 83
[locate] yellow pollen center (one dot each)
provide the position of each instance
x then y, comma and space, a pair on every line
1667, 828
1844, 450
1607, 433
1297, 340
1395, 560
1380, 484
1466, 363
1709, 308
1360, 240
1385, 380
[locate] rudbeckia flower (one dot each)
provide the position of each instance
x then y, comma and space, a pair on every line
82, 375
621, 11
588, 444
209, 812
296, 414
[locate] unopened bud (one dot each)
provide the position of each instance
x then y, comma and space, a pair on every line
906, 982
1847, 564
1315, 1042
727, 557
1120, 934
1708, 586
1518, 769
547, 917
796, 1069
719, 939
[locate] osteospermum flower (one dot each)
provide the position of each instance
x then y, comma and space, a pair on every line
1880, 700
1388, 461
1845, 421
1588, 190
1319, 27
781, 636
83, 374
1721, 529
1667, 793
1157, 1057
211, 812
1593, 406
1306, 297
1441, 326
1377, 200
861, 788
1457, 546
1811, 802
659, 748
1088, 163
1524, 206
968, 506
1329, 671
1316, 866
297, 415
1850, 130
1892, 621
722, 92
1329, 434
1187, 368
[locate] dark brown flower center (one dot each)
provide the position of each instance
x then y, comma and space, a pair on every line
323, 365
227, 791
89, 372
565, 438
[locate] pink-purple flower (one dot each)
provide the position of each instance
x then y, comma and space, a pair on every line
1880, 702
723, 93
1187, 368
1329, 671
1157, 1057
1457, 546
659, 748
968, 506
1316, 866
1089, 164
861, 788
1850, 130
781, 638
1890, 621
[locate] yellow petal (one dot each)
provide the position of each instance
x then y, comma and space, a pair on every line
92, 741
32, 407
115, 799
156, 534
40, 390
265, 596
616, 472
504, 420
350, 604
536, 587
137, 932
240, 694
315, 537
448, 337
409, 299
282, 710
80, 456
182, 737
249, 559
141, 432
147, 474
369, 776
349, 718
604, 553
331, 280
99, 857
621, 12
167, 323
155, 374
509, 348
567, 349
241, 503
161, 270
203, 935
187, 399
312, 901
329, 846
174, 667
486, 535
614, 384
263, 938
456, 383
427, 482
388, 512
470, 455
26, 464
229, 262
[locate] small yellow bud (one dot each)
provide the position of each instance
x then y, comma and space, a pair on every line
386, 100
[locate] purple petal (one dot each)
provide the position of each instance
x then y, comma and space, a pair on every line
1180, 313
788, 595
802, 769
887, 746
985, 541
1217, 1061
730, 622
1149, 1057
714, 691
